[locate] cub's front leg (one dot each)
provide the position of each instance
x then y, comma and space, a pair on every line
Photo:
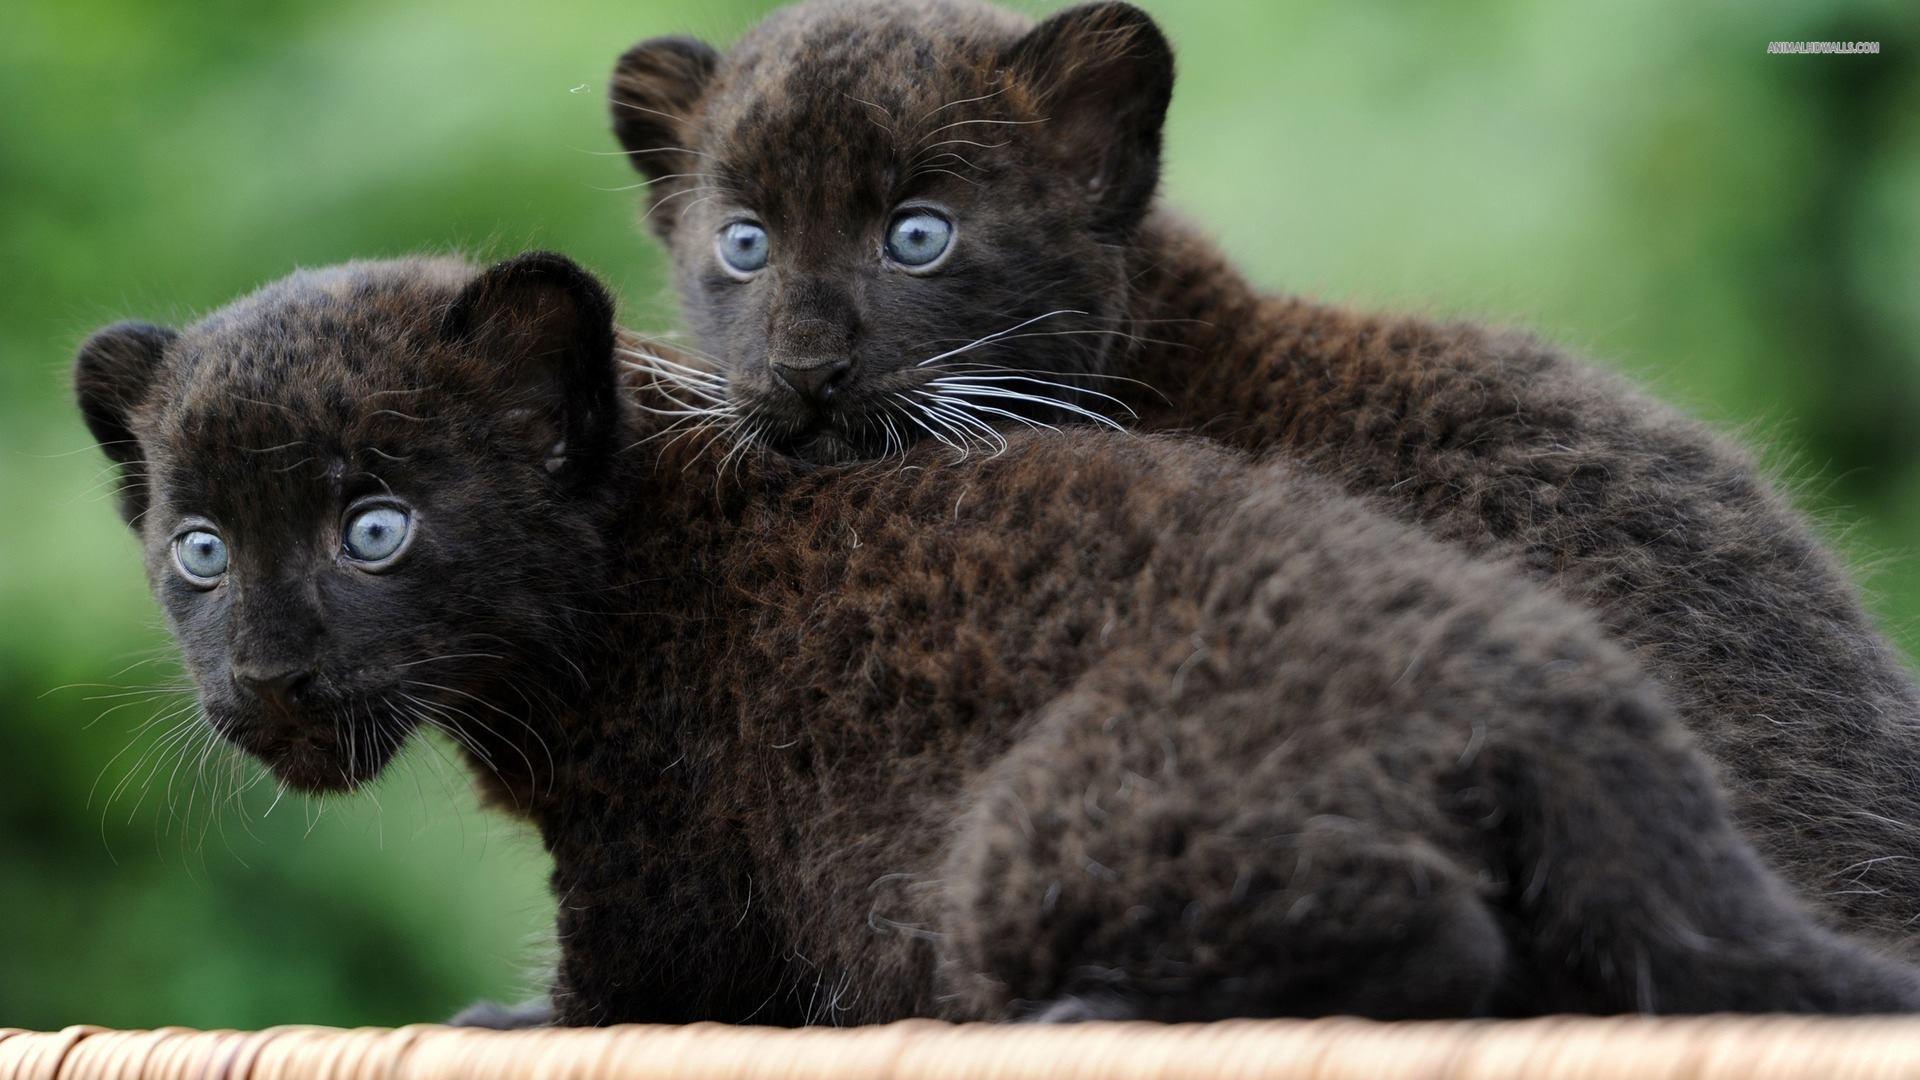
662, 932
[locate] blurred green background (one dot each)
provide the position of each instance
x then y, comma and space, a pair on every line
1643, 183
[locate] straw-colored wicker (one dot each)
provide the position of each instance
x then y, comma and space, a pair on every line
1709, 1048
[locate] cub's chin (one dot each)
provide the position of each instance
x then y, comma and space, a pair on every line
825, 444
825, 448
318, 754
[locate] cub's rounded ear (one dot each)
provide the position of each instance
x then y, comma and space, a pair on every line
656, 87
1101, 76
544, 328
112, 375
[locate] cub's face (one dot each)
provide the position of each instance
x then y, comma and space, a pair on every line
894, 222
361, 496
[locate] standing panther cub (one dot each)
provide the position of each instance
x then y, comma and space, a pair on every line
934, 220
1099, 726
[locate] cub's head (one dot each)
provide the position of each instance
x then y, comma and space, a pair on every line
366, 496
893, 221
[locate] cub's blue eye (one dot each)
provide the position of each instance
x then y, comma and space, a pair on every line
200, 556
918, 238
743, 247
376, 534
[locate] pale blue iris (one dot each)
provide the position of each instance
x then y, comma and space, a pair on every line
376, 534
202, 555
743, 245
918, 238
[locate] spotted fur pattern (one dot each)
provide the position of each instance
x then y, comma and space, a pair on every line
1099, 726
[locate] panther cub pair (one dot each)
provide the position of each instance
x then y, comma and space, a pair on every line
1095, 725
1098, 726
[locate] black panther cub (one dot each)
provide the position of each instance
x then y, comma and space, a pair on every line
1100, 726
899, 222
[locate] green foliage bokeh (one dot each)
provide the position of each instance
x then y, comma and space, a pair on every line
1640, 182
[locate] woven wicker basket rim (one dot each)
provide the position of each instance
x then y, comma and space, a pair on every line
1700, 1048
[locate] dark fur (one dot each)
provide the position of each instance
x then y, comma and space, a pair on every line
1493, 440
1101, 726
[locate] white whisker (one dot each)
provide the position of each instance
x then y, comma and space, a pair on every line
929, 114
958, 413
977, 342
975, 406
1037, 399
975, 380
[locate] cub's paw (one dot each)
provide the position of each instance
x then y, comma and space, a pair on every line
1078, 1009
491, 1014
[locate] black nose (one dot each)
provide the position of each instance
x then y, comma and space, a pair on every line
275, 686
814, 381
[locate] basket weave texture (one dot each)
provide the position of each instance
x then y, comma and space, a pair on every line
1707, 1048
